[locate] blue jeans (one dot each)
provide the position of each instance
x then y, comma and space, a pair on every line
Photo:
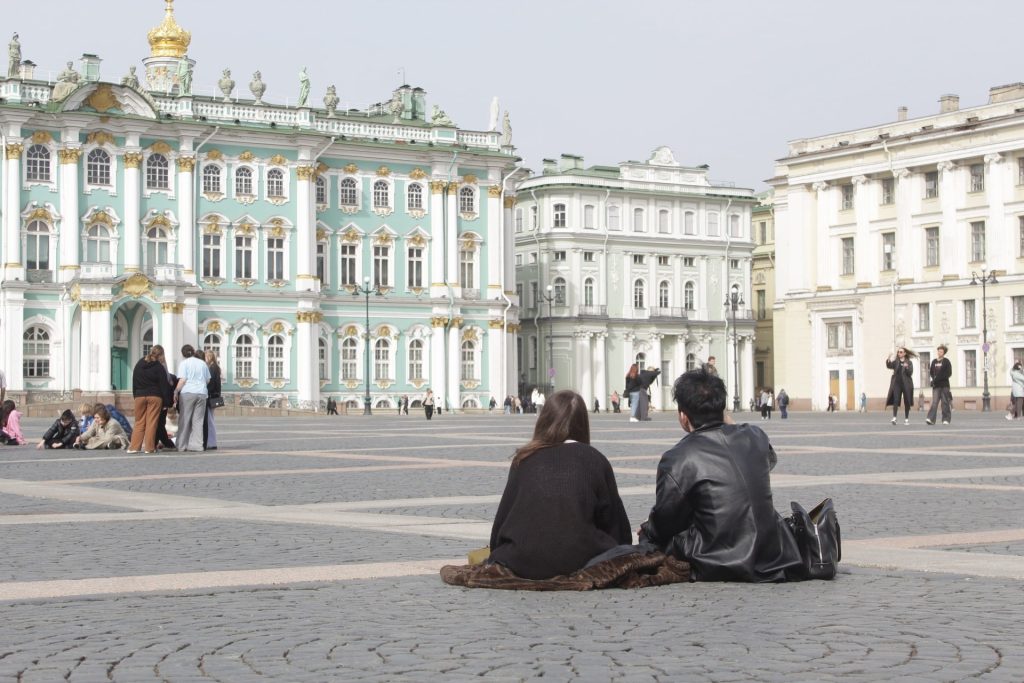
634, 404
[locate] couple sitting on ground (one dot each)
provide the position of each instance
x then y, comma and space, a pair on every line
713, 518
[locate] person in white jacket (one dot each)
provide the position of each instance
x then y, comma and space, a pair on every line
1017, 392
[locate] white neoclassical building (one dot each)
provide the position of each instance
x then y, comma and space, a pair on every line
883, 235
631, 263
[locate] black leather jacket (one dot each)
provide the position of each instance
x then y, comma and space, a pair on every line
714, 507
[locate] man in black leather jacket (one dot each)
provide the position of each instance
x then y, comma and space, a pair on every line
713, 506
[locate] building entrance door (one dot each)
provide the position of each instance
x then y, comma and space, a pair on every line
851, 397
120, 378
833, 386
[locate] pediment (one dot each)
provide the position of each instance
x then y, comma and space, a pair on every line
107, 98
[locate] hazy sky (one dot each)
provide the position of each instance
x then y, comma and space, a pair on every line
722, 83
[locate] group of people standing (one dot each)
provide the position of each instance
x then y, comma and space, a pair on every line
638, 389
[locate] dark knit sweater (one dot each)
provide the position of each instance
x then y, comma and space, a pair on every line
560, 508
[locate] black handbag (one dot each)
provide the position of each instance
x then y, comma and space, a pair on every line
216, 402
818, 537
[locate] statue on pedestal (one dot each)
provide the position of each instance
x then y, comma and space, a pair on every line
440, 118
226, 84
184, 78
67, 82
492, 123
257, 87
506, 131
14, 63
131, 80
331, 100
303, 87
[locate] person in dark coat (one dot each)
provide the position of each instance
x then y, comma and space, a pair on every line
940, 372
713, 506
147, 388
647, 378
901, 386
633, 391
561, 506
213, 391
162, 438
62, 433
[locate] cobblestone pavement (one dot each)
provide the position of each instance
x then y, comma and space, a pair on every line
308, 549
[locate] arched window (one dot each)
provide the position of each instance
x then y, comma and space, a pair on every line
641, 360
158, 175
663, 294
212, 342
243, 357
416, 360
97, 245
689, 296
382, 360
212, 179
347, 192
558, 213
147, 341
97, 168
321, 190
588, 292
638, 294
275, 183
467, 200
664, 226
638, 221
37, 164
36, 352
690, 223
37, 246
349, 359
322, 359
691, 362
468, 361
275, 357
243, 181
381, 195
558, 290
156, 247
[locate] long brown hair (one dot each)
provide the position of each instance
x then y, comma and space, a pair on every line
634, 370
564, 416
155, 354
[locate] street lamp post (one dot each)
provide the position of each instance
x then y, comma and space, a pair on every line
549, 298
366, 290
734, 301
986, 277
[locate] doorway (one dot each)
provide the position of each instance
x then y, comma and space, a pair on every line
851, 397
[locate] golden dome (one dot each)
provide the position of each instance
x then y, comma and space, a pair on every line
168, 39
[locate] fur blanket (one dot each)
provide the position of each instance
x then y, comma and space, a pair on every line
635, 570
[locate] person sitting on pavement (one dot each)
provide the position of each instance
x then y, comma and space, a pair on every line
713, 507
561, 506
62, 433
10, 424
104, 432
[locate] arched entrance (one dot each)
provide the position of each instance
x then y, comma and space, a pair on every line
131, 338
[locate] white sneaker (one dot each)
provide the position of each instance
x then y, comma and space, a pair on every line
945, 422
906, 421
928, 422
894, 420
1009, 417
633, 419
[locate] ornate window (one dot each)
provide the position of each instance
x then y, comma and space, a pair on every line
588, 292
243, 181
558, 215
275, 184
381, 360
416, 360
37, 164
243, 257
381, 265
97, 245
347, 192
321, 347
638, 221
158, 175
348, 265
275, 258
275, 357
467, 200
211, 256
558, 291
638, 294
243, 357
349, 359
37, 246
663, 294
381, 195
97, 168
689, 296
415, 268
36, 352
212, 180
211, 342
467, 266
414, 197
156, 247
468, 369
321, 191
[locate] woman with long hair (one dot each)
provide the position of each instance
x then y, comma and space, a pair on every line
104, 432
561, 506
10, 424
901, 386
1017, 391
148, 379
213, 390
633, 390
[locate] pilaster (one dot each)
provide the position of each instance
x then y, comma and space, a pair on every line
600, 369
133, 210
187, 217
95, 346
305, 230
307, 353
13, 267
70, 228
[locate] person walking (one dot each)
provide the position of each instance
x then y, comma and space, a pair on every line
831, 404
1017, 391
768, 401
615, 401
863, 402
940, 371
783, 404
428, 404
763, 402
214, 400
147, 379
633, 390
332, 406
901, 385
190, 400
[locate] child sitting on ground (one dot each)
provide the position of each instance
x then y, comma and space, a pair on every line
104, 432
10, 424
62, 433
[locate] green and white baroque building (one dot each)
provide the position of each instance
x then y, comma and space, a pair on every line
135, 213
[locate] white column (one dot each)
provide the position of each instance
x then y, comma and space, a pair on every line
627, 351
186, 217
907, 257
654, 360
600, 371
512, 368
491, 248
729, 374
496, 379
582, 361
189, 321
305, 232
453, 237
996, 255
746, 370
12, 328
133, 213
861, 239
816, 249
507, 236
702, 288
948, 237
437, 376
452, 391
170, 331
96, 346
307, 354
70, 228
12, 213
437, 208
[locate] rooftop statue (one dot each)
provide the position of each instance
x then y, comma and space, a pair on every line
14, 63
492, 123
506, 131
331, 100
131, 80
67, 82
184, 77
440, 118
303, 87
226, 84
